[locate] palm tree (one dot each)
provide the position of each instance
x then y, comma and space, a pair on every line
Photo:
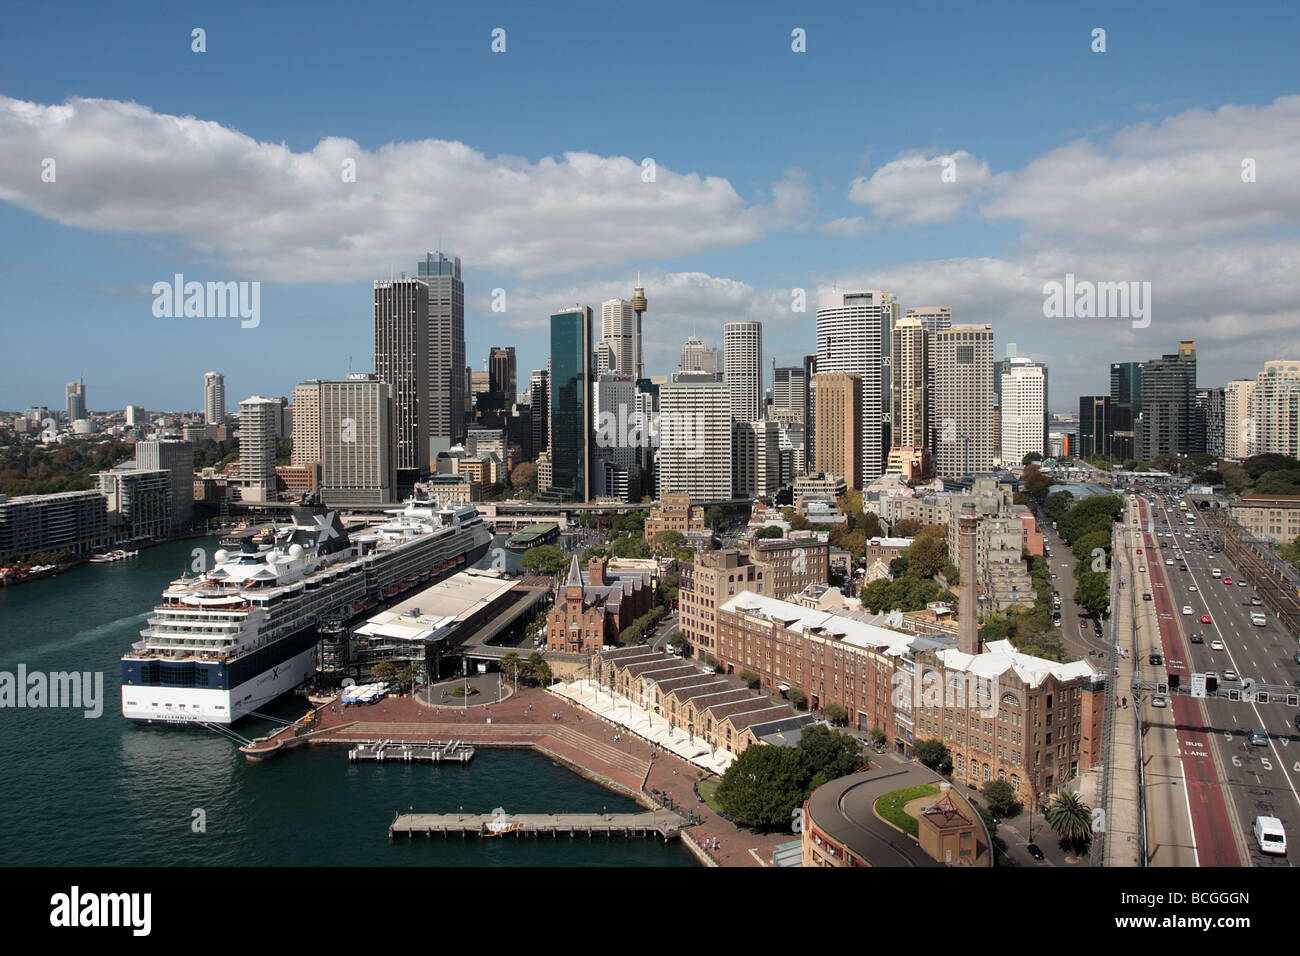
512, 665
1071, 818
407, 677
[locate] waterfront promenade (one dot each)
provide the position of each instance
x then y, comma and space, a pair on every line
542, 721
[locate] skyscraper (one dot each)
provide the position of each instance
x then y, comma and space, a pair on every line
571, 404
402, 359
1094, 426
258, 423
502, 374
1125, 408
810, 410
177, 459
214, 398
853, 336
351, 429
1275, 409
618, 331
1024, 410
934, 319
695, 440
911, 384
1210, 414
789, 391
698, 357
1167, 422
743, 357
74, 394
540, 387
839, 426
445, 351
1239, 432
963, 401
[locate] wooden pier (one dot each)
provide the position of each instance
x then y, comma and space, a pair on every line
433, 751
659, 823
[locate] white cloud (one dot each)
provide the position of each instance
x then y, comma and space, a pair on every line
262, 209
921, 188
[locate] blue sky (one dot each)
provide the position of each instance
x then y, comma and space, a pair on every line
775, 170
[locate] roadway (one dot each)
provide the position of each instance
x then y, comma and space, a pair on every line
1253, 780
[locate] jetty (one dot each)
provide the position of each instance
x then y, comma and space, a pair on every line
401, 751
659, 823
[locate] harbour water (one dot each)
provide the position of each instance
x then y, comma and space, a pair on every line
102, 791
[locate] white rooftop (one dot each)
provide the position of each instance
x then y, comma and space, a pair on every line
1001, 656
848, 628
422, 615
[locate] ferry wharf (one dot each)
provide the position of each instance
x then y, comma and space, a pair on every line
662, 823
534, 719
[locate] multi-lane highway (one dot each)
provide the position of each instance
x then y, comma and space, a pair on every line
1230, 780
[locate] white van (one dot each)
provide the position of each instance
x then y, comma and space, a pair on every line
1257, 619
1270, 836
1216, 573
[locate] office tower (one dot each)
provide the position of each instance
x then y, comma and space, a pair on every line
1210, 408
258, 422
1094, 426
853, 336
1125, 408
74, 394
306, 424
756, 459
639, 306
540, 387
177, 459
698, 357
571, 409
214, 398
810, 410
1239, 432
789, 391
352, 432
963, 401
1166, 424
934, 319
695, 440
1275, 408
910, 344
136, 415
502, 375
839, 426
618, 321
743, 373
445, 351
402, 359
1024, 410
603, 360
618, 433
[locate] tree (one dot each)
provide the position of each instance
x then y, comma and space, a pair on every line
877, 736
927, 555
1035, 482
829, 754
763, 786
1000, 797
750, 678
771, 531
406, 677
797, 698
1071, 818
546, 558
906, 528
384, 671
836, 714
1032, 457
512, 665
667, 542
629, 546
524, 477
1093, 592
933, 754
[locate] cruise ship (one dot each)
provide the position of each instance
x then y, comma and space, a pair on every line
221, 644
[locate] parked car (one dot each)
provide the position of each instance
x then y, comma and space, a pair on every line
1034, 851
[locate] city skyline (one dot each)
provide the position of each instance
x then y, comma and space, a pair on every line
726, 230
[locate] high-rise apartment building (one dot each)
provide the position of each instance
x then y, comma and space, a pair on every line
963, 401
1275, 409
1168, 421
1239, 432
176, 458
445, 352
853, 336
214, 398
258, 424
571, 404
695, 440
1125, 408
756, 459
1210, 409
1024, 410
306, 424
743, 355
74, 394
618, 330
839, 426
402, 359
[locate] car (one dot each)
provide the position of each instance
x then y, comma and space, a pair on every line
1258, 738
1227, 580
1206, 619
1197, 639
1083, 624
1229, 674
1169, 562
1241, 583
1053, 575
1183, 568
1255, 601
1156, 659
1034, 851
1158, 700
1191, 587
1142, 569
1147, 597
1139, 551
1216, 645
1187, 609
1056, 622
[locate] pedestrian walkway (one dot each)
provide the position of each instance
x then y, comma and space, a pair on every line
626, 713
1123, 840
